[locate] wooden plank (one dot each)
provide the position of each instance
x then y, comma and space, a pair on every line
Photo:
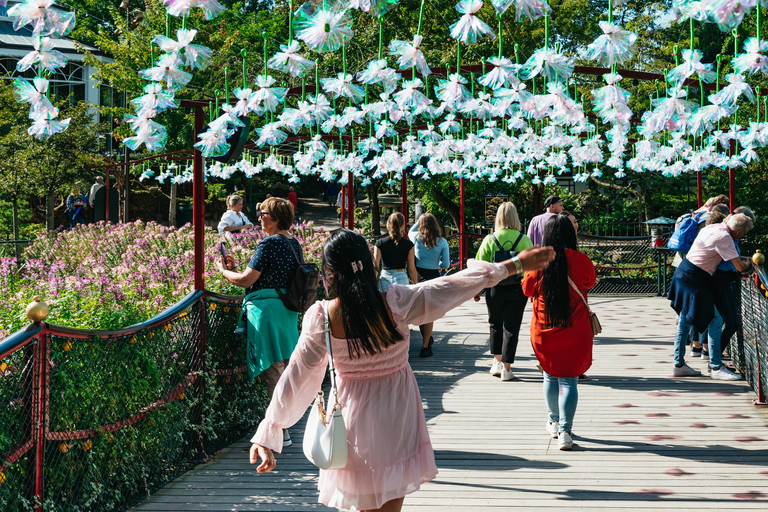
644, 440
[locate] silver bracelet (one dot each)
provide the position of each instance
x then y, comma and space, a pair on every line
518, 265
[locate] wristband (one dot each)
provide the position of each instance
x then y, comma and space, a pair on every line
518, 265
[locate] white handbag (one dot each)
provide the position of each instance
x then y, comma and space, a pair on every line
325, 438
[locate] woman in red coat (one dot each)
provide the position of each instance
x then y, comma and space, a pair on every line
561, 333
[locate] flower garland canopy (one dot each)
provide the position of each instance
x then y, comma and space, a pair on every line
521, 121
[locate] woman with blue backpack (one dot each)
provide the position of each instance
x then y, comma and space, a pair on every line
505, 301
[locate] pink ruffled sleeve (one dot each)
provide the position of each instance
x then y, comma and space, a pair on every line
428, 301
299, 383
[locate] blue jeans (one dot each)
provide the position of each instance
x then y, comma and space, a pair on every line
390, 277
562, 396
714, 335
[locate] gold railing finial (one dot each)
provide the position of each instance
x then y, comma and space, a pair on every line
37, 310
758, 258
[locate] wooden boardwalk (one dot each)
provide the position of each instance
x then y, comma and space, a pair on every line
643, 439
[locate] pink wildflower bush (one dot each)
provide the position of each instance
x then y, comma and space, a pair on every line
109, 276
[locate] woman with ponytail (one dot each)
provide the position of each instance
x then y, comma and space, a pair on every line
389, 453
561, 333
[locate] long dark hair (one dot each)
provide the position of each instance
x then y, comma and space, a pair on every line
558, 233
367, 323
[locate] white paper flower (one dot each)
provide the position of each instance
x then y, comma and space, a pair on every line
192, 56
410, 55
289, 61
470, 27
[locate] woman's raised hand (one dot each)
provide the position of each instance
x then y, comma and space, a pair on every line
266, 455
536, 258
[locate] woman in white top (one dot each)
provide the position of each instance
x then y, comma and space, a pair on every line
233, 220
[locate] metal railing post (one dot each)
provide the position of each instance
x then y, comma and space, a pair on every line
40, 413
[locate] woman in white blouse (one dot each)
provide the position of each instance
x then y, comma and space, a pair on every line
233, 220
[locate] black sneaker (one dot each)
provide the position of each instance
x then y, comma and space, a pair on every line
696, 351
425, 352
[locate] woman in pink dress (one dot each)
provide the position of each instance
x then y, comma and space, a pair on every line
390, 454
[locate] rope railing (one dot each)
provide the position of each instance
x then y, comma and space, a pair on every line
97, 420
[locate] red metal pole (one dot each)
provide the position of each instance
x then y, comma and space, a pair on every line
350, 201
462, 229
699, 191
732, 178
404, 191
198, 205
40, 417
341, 206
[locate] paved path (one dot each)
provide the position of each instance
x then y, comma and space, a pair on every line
321, 214
643, 440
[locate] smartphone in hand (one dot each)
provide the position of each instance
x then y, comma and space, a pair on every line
225, 258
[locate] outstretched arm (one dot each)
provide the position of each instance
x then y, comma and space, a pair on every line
429, 301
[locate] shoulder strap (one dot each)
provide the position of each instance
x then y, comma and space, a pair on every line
327, 324
517, 241
299, 260
573, 285
497, 242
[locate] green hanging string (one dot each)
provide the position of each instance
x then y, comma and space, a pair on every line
168, 25
184, 22
290, 21
210, 111
610, 11
691, 25
458, 58
517, 53
719, 60
501, 35
344, 57
244, 54
226, 84
216, 93
265, 36
546, 32
421, 17
381, 36
482, 61
757, 91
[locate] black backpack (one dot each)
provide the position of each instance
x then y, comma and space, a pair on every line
502, 254
302, 290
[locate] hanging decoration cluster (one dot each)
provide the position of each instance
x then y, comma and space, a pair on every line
515, 120
46, 23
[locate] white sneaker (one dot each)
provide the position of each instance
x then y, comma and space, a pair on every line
685, 371
506, 374
723, 373
565, 441
496, 368
552, 427
286, 439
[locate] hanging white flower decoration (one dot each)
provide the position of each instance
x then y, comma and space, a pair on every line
453, 90
691, 65
289, 61
323, 30
46, 126
210, 8
342, 86
168, 69
470, 27
729, 94
378, 72
43, 54
410, 55
504, 74
613, 47
754, 59
192, 56
547, 62
267, 98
